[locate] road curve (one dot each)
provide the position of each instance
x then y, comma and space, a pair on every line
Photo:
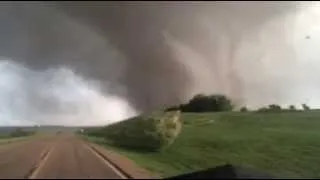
59, 156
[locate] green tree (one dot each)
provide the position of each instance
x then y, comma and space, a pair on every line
244, 109
292, 108
203, 103
305, 107
274, 107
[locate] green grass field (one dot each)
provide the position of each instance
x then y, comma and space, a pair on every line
284, 144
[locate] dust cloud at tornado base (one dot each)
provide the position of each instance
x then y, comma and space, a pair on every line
90, 64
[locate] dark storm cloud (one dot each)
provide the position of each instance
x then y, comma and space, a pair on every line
153, 77
133, 48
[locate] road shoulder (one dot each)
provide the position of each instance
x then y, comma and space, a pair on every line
127, 166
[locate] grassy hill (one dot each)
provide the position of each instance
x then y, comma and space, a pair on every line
285, 144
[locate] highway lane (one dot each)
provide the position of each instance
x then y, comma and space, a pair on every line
72, 158
59, 156
18, 159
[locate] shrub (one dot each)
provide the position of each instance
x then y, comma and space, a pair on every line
151, 132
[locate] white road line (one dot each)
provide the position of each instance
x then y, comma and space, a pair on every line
106, 162
41, 163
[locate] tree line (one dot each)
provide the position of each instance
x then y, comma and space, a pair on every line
277, 108
218, 103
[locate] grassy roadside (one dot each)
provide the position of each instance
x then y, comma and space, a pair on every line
6, 140
17, 135
283, 144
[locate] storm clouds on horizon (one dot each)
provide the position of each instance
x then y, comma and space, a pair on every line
90, 63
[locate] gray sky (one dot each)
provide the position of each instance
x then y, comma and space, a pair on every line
100, 63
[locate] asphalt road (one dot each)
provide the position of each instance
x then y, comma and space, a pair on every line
56, 156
